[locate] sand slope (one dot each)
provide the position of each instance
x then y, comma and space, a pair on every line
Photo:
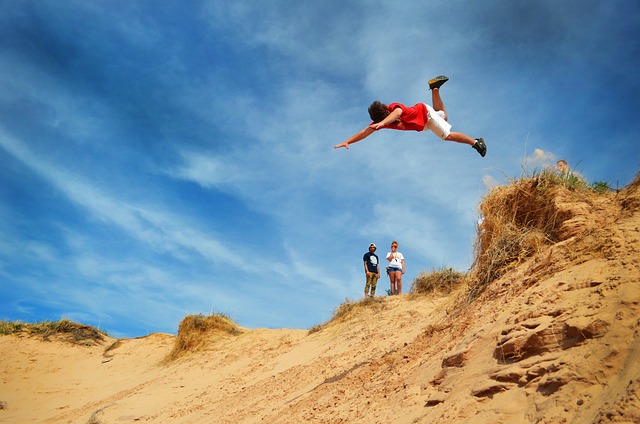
554, 341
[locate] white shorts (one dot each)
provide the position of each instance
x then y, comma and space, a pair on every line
437, 124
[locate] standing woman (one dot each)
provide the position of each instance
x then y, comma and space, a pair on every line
395, 269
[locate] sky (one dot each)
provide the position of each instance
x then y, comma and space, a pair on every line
163, 159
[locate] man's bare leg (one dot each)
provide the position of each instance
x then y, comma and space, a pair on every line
477, 143
459, 137
437, 102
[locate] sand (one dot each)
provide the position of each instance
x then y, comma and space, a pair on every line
554, 341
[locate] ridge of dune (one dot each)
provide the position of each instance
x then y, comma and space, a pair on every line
555, 339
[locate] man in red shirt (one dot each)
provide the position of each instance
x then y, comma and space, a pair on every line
420, 117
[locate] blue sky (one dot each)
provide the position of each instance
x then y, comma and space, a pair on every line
160, 159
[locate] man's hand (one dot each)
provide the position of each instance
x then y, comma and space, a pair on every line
345, 145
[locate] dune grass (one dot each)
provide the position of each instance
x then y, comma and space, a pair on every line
65, 329
348, 310
195, 331
519, 220
438, 281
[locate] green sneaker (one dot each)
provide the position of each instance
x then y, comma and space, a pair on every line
437, 82
480, 146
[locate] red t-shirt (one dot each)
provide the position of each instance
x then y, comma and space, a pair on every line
413, 118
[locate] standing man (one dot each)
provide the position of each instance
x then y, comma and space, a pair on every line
371, 270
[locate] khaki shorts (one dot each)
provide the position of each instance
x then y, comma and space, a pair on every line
437, 124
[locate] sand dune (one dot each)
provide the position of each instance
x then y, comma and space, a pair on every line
554, 340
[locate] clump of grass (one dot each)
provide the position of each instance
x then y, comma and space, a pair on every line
570, 180
10, 327
347, 310
316, 328
519, 220
195, 330
65, 329
442, 281
601, 187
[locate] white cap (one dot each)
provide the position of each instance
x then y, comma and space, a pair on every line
373, 244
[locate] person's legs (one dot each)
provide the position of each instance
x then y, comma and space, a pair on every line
374, 283
438, 105
392, 281
371, 283
438, 123
436, 100
395, 277
458, 137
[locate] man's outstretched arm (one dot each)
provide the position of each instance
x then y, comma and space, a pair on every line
356, 137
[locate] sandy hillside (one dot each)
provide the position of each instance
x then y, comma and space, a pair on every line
553, 340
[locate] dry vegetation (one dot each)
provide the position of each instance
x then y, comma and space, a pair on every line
520, 219
64, 329
347, 310
438, 282
196, 330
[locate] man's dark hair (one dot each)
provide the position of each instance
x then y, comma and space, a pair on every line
378, 111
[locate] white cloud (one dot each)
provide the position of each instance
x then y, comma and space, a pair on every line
490, 182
